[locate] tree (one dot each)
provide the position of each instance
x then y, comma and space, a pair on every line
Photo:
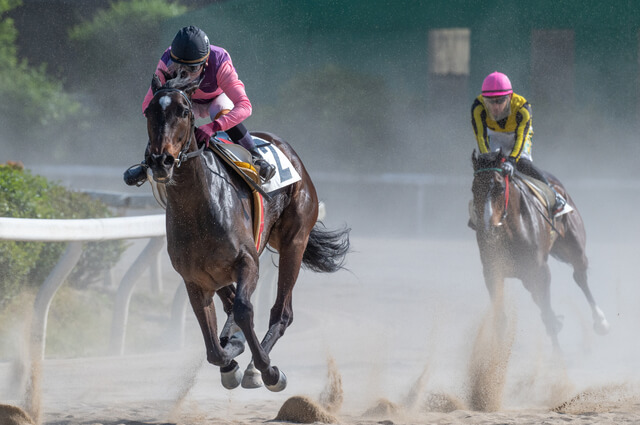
31, 100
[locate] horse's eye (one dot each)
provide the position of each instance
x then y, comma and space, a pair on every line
185, 113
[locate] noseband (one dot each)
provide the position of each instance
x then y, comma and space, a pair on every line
184, 155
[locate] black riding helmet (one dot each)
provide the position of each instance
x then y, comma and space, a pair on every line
190, 46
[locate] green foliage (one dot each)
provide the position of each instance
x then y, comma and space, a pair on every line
121, 45
134, 15
29, 95
26, 264
339, 109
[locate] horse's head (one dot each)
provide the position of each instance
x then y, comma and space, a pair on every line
170, 124
490, 190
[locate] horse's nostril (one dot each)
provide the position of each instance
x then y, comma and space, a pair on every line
168, 161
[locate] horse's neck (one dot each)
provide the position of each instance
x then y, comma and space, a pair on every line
191, 192
522, 206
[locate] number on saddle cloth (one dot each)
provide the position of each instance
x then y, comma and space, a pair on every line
285, 175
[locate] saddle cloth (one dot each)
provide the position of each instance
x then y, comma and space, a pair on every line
544, 194
285, 175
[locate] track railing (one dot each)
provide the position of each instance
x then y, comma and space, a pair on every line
75, 232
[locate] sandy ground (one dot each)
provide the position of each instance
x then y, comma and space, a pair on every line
397, 339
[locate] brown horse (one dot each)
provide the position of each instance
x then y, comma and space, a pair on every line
516, 234
210, 238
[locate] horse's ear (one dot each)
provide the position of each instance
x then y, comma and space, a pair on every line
474, 157
193, 86
155, 83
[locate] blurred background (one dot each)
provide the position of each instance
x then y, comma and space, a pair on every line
374, 95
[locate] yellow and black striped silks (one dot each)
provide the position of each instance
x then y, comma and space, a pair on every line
518, 122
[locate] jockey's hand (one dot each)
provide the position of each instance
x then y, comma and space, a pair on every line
201, 136
508, 167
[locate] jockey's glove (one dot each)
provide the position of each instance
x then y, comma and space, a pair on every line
508, 167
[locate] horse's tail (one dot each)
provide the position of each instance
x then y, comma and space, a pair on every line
326, 249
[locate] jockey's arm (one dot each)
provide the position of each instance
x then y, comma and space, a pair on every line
479, 124
523, 124
234, 89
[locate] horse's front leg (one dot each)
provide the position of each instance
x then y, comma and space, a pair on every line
204, 309
247, 280
494, 281
230, 328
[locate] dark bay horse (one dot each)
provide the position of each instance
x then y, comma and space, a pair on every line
515, 235
210, 237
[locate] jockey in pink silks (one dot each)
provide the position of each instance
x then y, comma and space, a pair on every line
220, 95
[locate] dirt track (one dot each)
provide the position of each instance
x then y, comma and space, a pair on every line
401, 327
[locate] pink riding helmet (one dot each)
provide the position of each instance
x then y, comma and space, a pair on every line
496, 84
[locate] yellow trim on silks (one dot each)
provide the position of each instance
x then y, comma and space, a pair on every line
257, 201
518, 122
177, 59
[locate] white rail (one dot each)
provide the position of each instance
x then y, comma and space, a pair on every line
93, 229
75, 232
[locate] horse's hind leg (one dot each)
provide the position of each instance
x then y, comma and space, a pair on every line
272, 377
600, 323
281, 317
204, 309
570, 249
538, 283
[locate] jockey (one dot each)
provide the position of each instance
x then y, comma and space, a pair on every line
221, 95
501, 119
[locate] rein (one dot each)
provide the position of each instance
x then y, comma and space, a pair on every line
183, 156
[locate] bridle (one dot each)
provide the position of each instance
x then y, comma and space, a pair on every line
506, 182
184, 155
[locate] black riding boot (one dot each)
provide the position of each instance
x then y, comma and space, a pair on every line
266, 170
241, 136
526, 166
136, 175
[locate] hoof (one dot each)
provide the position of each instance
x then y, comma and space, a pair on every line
252, 377
601, 327
280, 385
232, 378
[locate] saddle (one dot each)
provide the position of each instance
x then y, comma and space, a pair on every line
543, 192
239, 159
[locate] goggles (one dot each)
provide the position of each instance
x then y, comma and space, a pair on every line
190, 69
496, 100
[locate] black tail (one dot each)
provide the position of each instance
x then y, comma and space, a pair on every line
326, 249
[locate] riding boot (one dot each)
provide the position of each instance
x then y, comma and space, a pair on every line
265, 170
136, 175
560, 202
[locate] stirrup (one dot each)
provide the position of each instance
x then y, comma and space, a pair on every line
559, 205
267, 171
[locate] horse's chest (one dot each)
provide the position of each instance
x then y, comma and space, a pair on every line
202, 258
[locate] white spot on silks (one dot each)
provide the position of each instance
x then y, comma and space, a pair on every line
164, 102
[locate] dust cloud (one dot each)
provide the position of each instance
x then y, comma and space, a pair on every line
407, 325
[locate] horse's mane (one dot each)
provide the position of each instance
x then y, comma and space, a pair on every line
172, 81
